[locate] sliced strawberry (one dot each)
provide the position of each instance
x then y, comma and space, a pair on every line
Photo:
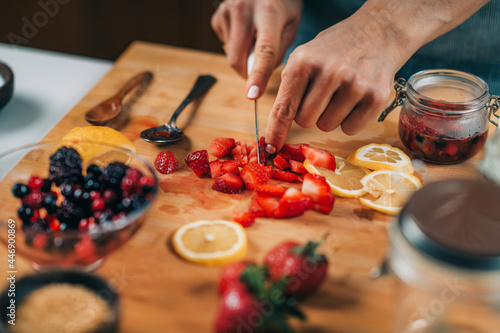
256, 209
255, 174
280, 163
221, 147
246, 219
271, 190
252, 156
240, 154
318, 157
296, 166
316, 187
230, 167
293, 203
228, 183
215, 168
198, 162
292, 152
284, 175
269, 204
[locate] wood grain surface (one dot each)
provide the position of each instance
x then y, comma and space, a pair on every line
162, 293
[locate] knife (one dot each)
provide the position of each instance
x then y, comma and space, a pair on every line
250, 61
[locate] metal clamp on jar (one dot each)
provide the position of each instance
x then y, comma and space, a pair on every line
444, 115
445, 253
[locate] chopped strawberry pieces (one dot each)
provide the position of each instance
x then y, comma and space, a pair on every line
293, 203
239, 152
296, 166
198, 162
228, 183
318, 157
246, 219
271, 190
256, 209
221, 147
166, 162
215, 168
280, 163
230, 167
284, 175
316, 187
269, 204
255, 174
292, 152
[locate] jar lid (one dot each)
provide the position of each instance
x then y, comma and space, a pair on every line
456, 222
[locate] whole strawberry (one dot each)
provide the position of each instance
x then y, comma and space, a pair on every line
166, 162
248, 305
304, 268
231, 275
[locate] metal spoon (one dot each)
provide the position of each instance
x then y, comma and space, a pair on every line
108, 110
169, 132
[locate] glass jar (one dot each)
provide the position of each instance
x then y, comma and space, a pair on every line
444, 115
445, 253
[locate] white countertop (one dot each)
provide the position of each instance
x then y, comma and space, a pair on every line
46, 87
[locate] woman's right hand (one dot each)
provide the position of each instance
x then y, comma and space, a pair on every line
268, 25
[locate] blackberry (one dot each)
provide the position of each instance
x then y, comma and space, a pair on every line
65, 166
20, 190
113, 174
71, 213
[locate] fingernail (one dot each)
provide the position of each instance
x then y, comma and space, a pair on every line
270, 149
253, 92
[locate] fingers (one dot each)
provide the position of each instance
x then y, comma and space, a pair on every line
267, 48
294, 81
317, 98
342, 103
367, 110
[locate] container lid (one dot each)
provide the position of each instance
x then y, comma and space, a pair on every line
457, 222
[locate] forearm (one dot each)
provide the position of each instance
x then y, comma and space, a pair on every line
407, 25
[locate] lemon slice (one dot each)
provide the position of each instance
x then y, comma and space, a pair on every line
381, 157
389, 190
210, 242
345, 180
94, 153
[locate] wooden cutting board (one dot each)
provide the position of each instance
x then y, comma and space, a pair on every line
162, 293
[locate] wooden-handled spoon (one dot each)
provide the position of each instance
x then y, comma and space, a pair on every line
110, 109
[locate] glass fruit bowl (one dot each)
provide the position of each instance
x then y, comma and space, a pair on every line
59, 210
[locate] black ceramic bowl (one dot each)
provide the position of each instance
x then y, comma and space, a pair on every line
7, 88
27, 284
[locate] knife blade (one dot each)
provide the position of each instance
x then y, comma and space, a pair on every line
250, 62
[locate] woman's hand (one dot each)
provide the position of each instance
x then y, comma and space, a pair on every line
342, 77
270, 25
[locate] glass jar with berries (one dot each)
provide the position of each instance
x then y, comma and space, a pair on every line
445, 115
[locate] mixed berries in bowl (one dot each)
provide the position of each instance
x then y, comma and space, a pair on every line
70, 212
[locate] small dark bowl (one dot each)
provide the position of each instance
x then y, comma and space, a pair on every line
29, 283
7, 89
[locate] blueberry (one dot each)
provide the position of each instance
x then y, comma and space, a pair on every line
20, 190
49, 203
25, 214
